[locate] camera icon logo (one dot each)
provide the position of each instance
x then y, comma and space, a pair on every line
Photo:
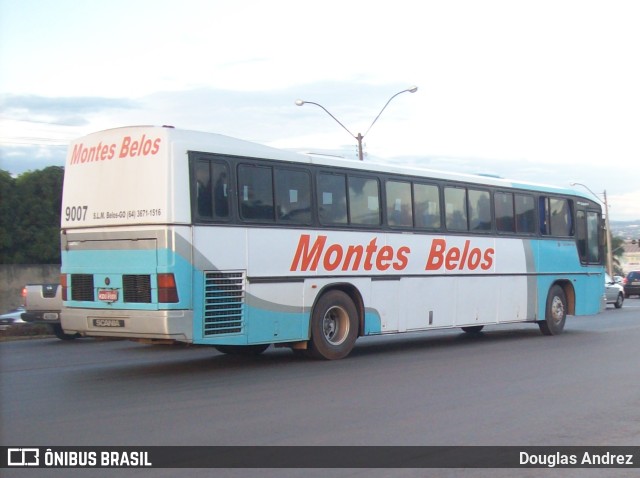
23, 457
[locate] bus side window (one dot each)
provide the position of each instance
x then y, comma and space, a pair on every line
426, 199
593, 237
220, 180
364, 201
560, 215
581, 236
479, 208
456, 209
503, 203
293, 196
556, 217
399, 212
543, 203
211, 190
525, 214
202, 187
332, 198
588, 237
255, 192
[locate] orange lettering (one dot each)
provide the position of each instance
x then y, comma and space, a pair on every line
306, 258
436, 255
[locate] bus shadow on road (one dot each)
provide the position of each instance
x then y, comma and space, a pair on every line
450, 338
152, 362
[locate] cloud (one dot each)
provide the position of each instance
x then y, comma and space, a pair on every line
625, 205
269, 116
19, 159
70, 111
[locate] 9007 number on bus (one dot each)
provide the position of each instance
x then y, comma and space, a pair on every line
75, 213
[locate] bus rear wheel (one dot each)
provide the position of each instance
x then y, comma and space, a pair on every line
334, 326
245, 350
57, 330
472, 329
556, 312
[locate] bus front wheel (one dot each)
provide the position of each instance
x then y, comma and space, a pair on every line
334, 326
556, 312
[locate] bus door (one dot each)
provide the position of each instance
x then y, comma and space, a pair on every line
590, 241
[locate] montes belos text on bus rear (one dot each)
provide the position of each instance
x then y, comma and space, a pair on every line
129, 147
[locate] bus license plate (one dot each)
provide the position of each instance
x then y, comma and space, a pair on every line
108, 323
108, 295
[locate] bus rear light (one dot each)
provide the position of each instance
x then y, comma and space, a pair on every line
63, 285
167, 290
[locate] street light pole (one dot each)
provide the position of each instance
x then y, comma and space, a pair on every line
606, 225
359, 137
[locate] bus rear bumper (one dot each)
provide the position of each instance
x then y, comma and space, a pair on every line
173, 325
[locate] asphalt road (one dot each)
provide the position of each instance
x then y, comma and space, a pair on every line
506, 386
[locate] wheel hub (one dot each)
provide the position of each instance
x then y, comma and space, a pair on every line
335, 325
557, 309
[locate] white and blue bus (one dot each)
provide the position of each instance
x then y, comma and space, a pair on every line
180, 236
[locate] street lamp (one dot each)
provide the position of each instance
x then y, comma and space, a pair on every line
606, 225
359, 137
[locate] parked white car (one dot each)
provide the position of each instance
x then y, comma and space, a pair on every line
614, 291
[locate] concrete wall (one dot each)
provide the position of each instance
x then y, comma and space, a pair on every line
13, 277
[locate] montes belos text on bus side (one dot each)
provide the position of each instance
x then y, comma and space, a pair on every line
372, 257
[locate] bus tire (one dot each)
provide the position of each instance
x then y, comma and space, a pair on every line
555, 312
244, 350
58, 332
472, 329
334, 326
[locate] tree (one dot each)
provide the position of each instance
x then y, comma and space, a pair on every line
30, 216
7, 208
617, 251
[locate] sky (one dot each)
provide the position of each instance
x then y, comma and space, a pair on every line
543, 91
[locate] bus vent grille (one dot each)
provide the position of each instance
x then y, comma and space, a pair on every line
136, 288
223, 302
82, 287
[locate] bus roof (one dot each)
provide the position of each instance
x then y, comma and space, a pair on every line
238, 147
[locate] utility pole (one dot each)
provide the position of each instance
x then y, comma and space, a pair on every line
359, 137
609, 241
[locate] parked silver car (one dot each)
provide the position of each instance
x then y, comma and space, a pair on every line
614, 291
11, 318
